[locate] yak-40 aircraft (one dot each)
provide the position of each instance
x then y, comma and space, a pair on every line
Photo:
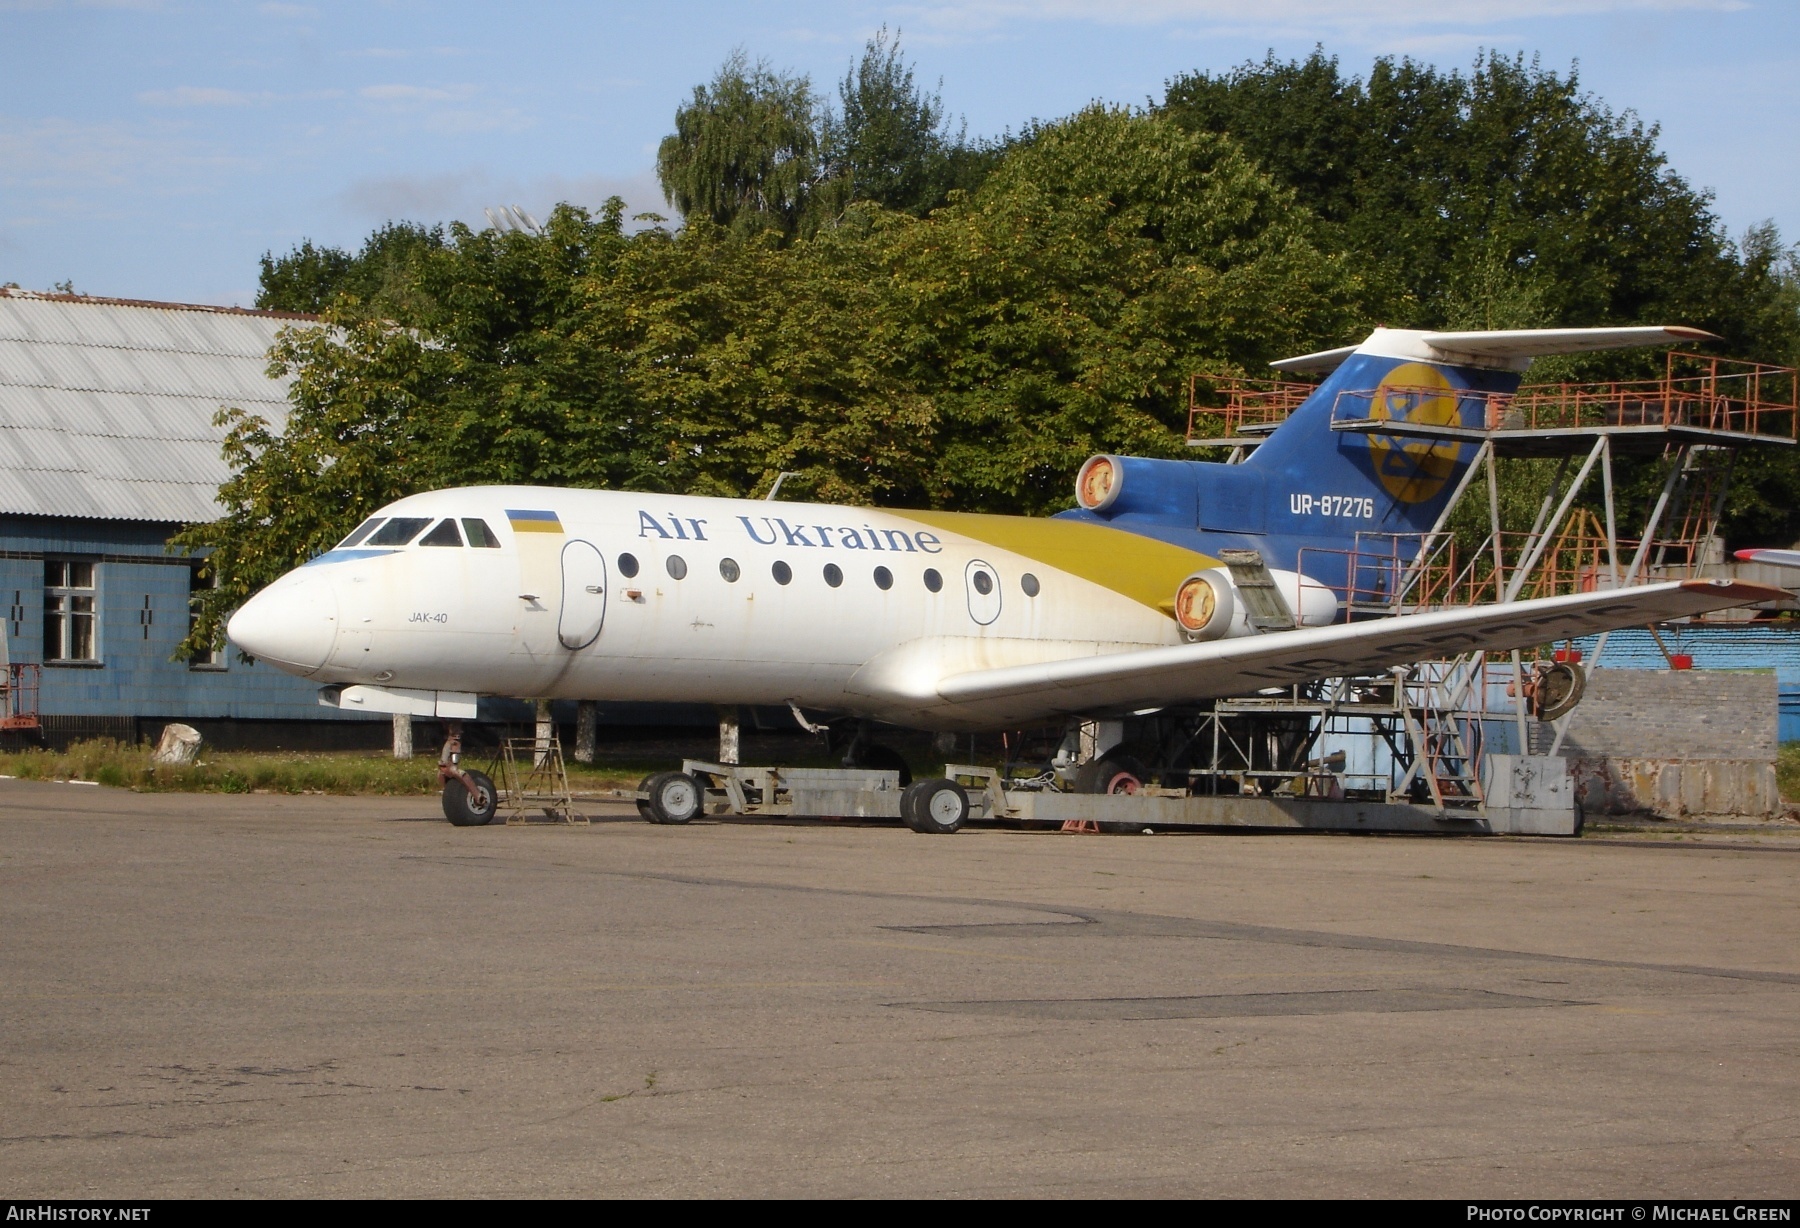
938, 620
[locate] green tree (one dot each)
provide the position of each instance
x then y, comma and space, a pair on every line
745, 150
310, 278
1507, 197
888, 141
1058, 310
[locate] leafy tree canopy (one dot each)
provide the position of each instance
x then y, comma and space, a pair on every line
1508, 198
309, 278
840, 306
745, 150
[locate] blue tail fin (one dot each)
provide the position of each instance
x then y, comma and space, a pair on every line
1329, 479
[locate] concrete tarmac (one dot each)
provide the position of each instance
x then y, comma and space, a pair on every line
275, 996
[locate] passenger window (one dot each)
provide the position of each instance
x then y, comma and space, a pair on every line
834, 575
730, 570
933, 581
399, 530
782, 572
444, 535
628, 566
362, 530
479, 534
1029, 583
884, 579
677, 567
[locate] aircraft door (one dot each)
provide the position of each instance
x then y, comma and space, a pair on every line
983, 585
583, 595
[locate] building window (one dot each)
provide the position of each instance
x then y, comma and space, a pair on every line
69, 598
200, 579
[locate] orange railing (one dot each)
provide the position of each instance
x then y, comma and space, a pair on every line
1711, 394
1229, 405
1576, 560
1695, 393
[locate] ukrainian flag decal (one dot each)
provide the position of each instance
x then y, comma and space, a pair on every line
527, 521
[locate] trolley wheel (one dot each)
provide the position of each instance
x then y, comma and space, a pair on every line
466, 811
935, 807
1110, 774
643, 798
672, 797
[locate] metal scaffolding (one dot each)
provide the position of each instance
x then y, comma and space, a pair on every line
1432, 720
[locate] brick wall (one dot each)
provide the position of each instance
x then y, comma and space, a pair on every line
1676, 744
1674, 714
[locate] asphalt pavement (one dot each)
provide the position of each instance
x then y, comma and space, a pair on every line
316, 996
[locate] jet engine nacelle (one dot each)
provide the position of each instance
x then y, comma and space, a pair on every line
1208, 605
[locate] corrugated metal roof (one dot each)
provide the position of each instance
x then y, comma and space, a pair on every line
106, 405
1773, 646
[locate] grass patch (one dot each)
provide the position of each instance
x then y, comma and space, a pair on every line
110, 762
1787, 771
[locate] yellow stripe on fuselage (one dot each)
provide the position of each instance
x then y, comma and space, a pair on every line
1141, 568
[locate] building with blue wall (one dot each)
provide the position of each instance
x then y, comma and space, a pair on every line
107, 448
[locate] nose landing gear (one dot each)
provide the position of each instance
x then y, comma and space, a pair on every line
470, 799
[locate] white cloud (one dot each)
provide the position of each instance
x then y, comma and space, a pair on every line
203, 96
969, 17
463, 194
61, 169
398, 53
413, 93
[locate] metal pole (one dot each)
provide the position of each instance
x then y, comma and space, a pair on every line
1656, 514
1612, 524
1523, 571
1637, 561
1429, 544
1493, 485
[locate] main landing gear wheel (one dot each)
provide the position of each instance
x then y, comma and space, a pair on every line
670, 797
1110, 774
935, 807
467, 810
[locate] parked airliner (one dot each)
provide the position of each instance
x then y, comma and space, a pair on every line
941, 620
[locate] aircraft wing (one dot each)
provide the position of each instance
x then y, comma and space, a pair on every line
1776, 558
1156, 676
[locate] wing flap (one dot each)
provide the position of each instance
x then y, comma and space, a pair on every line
1190, 672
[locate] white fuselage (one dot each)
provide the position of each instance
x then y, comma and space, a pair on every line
551, 613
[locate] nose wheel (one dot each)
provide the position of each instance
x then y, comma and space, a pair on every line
470, 799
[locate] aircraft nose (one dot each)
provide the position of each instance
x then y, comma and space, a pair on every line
292, 624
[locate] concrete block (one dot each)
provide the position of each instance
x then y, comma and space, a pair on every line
1700, 789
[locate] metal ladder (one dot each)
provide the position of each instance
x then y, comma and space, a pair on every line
1263, 602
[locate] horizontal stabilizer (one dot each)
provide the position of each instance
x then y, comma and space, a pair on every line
1511, 348
1219, 668
1537, 342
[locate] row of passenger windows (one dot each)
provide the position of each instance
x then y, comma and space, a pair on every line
677, 568
399, 530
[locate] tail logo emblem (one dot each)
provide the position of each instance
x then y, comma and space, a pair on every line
1414, 470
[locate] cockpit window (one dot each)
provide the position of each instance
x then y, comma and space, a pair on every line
444, 535
399, 530
480, 534
362, 530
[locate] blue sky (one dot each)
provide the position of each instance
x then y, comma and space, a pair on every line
155, 148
